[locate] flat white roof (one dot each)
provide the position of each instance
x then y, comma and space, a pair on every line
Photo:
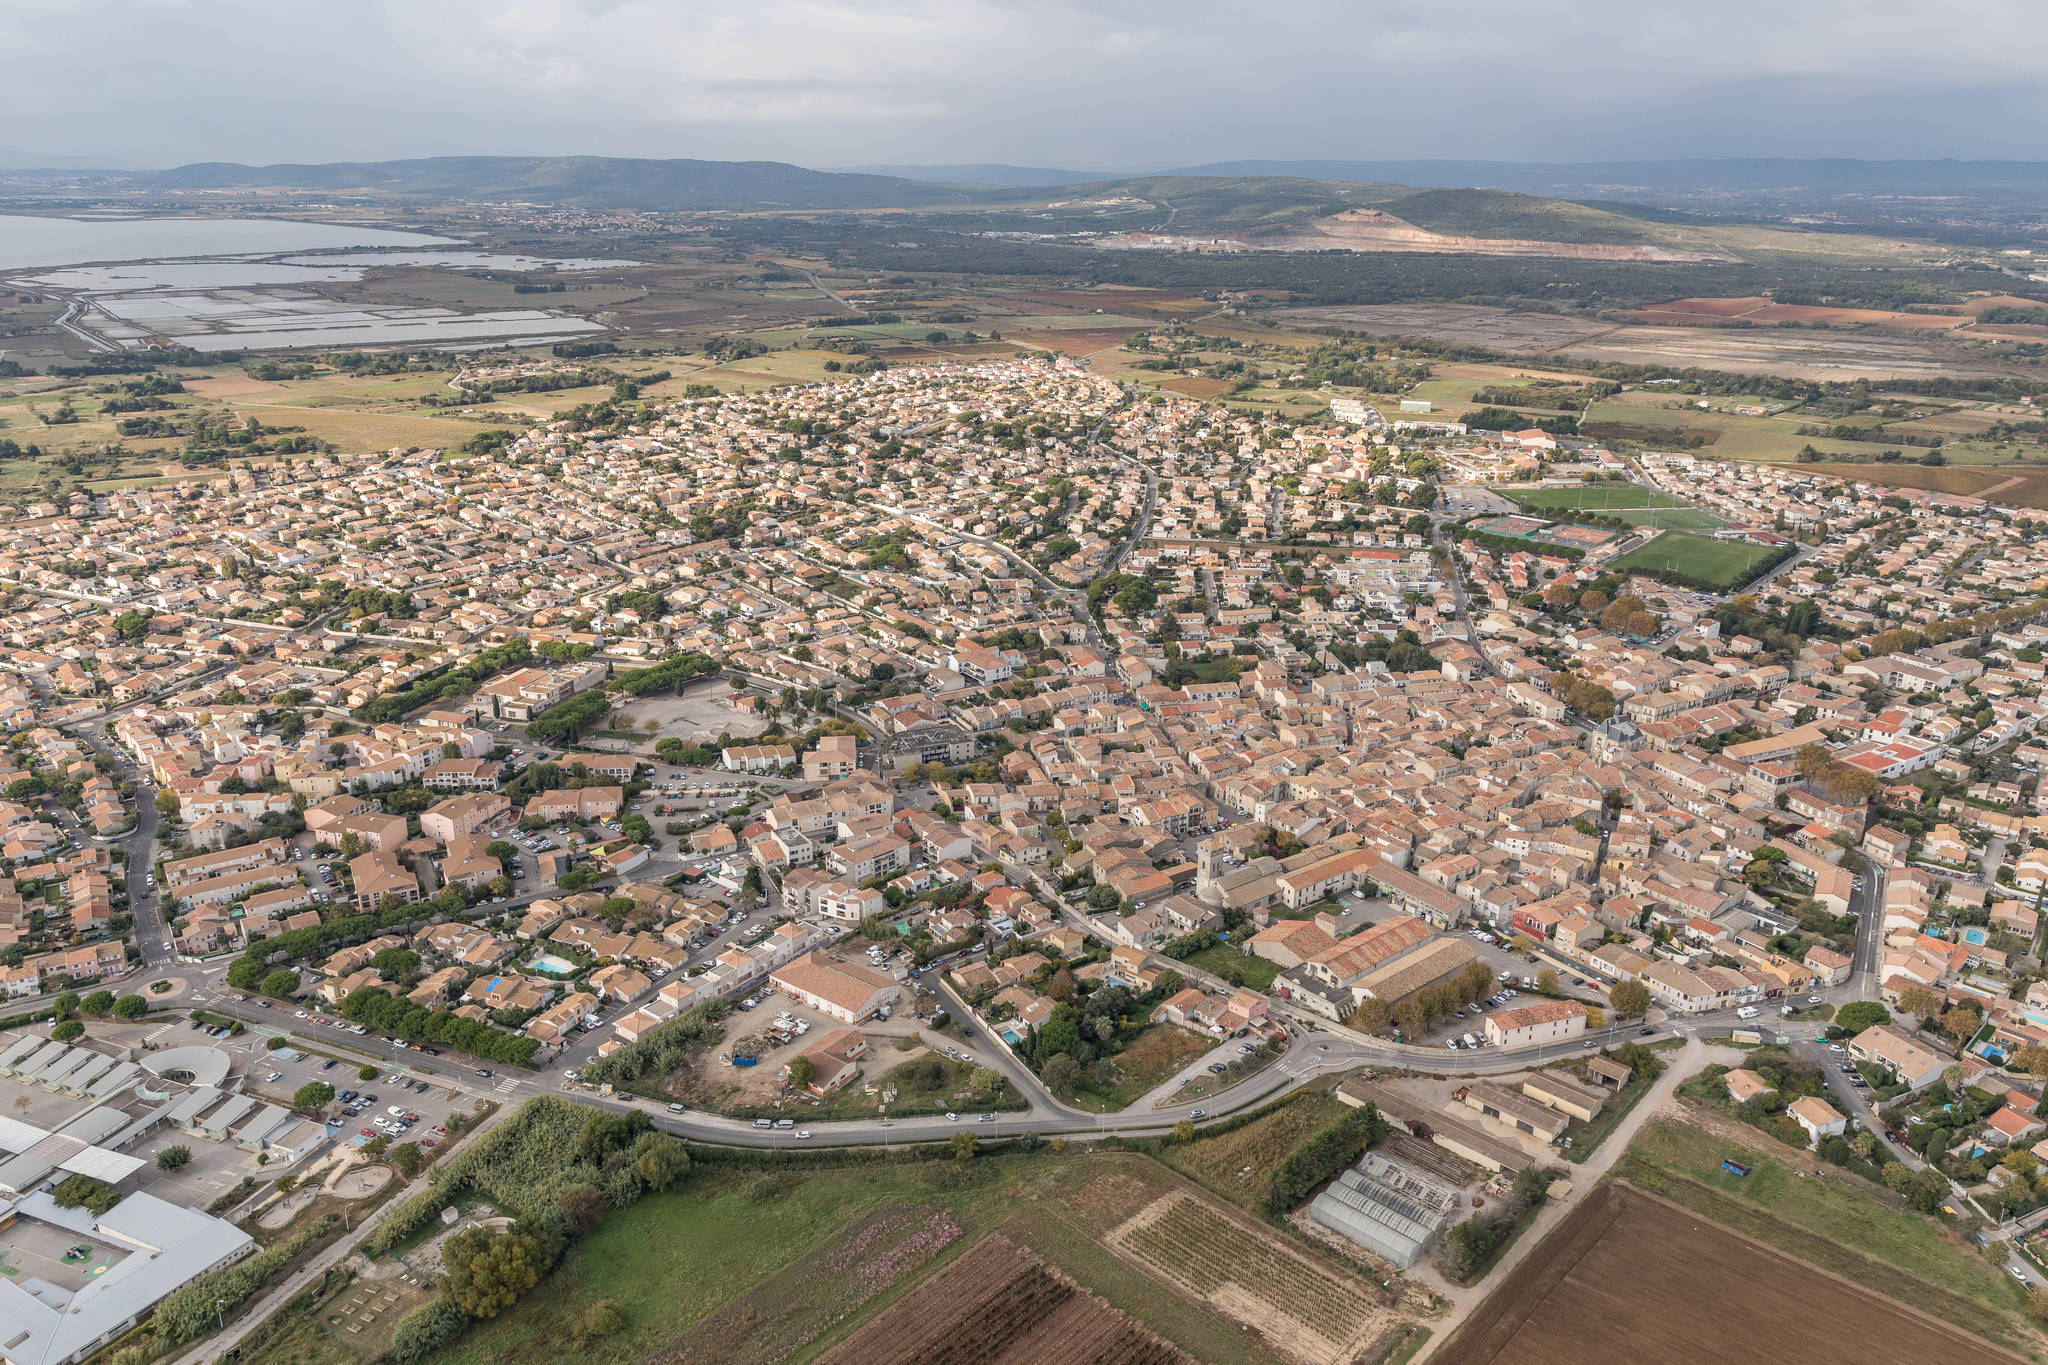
167, 1247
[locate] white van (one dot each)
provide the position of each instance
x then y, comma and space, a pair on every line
1747, 1012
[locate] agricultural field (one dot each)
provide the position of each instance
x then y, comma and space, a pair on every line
1631, 502
1835, 1223
1725, 563
2018, 486
1000, 1305
1629, 1277
1312, 1313
744, 1266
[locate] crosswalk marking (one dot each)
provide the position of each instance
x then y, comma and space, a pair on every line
507, 1085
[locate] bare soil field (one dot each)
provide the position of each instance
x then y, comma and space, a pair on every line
1000, 1305
231, 387
1074, 341
1195, 386
1629, 1277
2017, 486
1497, 328
1797, 353
1764, 312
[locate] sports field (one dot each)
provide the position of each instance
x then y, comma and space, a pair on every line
1723, 563
1633, 503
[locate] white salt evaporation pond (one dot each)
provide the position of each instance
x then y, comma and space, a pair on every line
231, 284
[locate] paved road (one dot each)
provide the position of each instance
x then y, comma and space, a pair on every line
152, 936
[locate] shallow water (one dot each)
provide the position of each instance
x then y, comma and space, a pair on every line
27, 241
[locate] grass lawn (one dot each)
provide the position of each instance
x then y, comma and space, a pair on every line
1239, 969
1632, 503
1836, 1222
1722, 562
1152, 1057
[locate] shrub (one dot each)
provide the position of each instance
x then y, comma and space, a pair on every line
425, 1331
1319, 1157
82, 1191
173, 1158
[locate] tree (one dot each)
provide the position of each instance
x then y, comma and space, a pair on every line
1409, 1017
659, 1162
66, 1031
1859, 1015
312, 1097
1547, 982
1184, 1131
2032, 1059
131, 1007
167, 803
281, 984
802, 1071
98, 1005
1062, 1075
376, 1146
1959, 1025
1920, 1002
65, 1005
985, 1081
965, 1145
366, 1073
1630, 999
487, 1273
173, 1158
1372, 1015
407, 1158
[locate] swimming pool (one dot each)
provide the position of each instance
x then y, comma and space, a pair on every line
552, 965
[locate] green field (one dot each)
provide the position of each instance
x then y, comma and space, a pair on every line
746, 1266
1239, 969
1631, 502
1725, 563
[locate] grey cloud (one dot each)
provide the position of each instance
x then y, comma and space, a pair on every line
1075, 82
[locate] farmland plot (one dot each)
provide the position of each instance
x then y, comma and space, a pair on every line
1000, 1305
1315, 1315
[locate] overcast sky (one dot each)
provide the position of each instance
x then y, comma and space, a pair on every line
1084, 84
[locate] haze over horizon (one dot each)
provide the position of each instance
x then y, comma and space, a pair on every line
1080, 84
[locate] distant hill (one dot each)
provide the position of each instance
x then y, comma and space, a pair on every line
590, 181
1501, 213
1837, 174
992, 173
